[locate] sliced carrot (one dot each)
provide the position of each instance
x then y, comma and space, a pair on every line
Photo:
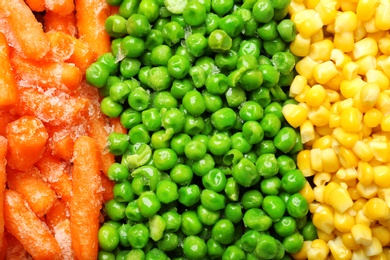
62, 46
8, 93
58, 221
27, 137
54, 107
86, 200
36, 5
60, 23
38, 194
15, 249
47, 74
32, 233
3, 176
117, 126
82, 56
107, 186
91, 17
63, 7
54, 171
27, 30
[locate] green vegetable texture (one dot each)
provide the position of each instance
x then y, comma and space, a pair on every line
207, 167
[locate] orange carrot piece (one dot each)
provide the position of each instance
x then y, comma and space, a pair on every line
107, 186
8, 93
4, 247
3, 176
61, 46
91, 17
32, 233
60, 23
36, 5
15, 249
5, 118
38, 194
63, 7
58, 221
117, 126
47, 74
54, 107
27, 30
82, 55
54, 171
86, 201
27, 137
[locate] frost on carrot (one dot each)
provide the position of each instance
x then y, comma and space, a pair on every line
15, 249
26, 227
60, 23
27, 138
63, 7
86, 199
8, 93
3, 162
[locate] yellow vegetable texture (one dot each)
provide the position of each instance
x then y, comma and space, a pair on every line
343, 114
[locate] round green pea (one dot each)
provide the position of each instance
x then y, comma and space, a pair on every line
108, 237
194, 13
194, 247
148, 204
138, 25
189, 195
138, 236
195, 150
267, 165
164, 159
178, 66
190, 224
219, 41
223, 231
223, 119
194, 103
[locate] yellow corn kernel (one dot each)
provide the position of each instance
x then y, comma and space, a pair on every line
359, 254
382, 175
319, 116
297, 85
321, 178
375, 248
382, 234
296, 6
354, 193
369, 95
307, 22
351, 120
334, 121
330, 161
320, 51
366, 131
306, 131
381, 150
318, 250
332, 95
305, 67
347, 158
385, 124
348, 241
345, 138
310, 4
300, 46
362, 234
327, 9
339, 58
324, 130
343, 221
384, 194
323, 142
328, 188
340, 199
345, 22
348, 6
363, 151
349, 88
318, 196
324, 72
295, 115
364, 47
360, 31
365, 173
367, 191
378, 77
382, 21
373, 117
304, 163
323, 219
338, 250
317, 37
384, 64
315, 96
383, 103
366, 9
376, 209
384, 45
350, 70
349, 174
302, 254
366, 63
315, 159
334, 83
301, 96
344, 41
307, 192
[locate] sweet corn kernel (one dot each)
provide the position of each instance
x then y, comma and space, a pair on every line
326, 237
374, 249
307, 22
385, 124
351, 120
367, 191
349, 174
328, 188
362, 234
324, 72
296, 6
310, 4
359, 254
354, 193
319, 116
315, 96
340, 199
317, 37
366, 63
382, 21
381, 150
323, 142
348, 6
301, 96
334, 121
295, 115
350, 70
315, 159
321, 50
382, 175
339, 58
365, 173
366, 9
369, 95
307, 192
383, 103
360, 31
318, 196
378, 77
324, 130
338, 250
305, 67
382, 234
302, 254
307, 131
363, 151
373, 117
300, 46
384, 64
304, 163
348, 241
344, 41
323, 219
297, 85
321, 178
384, 44
347, 158
349, 88
376, 209
345, 22
343, 221
364, 47
318, 250
332, 95
327, 10
345, 138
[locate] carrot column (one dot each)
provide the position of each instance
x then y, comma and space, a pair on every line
8, 93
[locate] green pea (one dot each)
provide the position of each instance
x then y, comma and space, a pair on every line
105, 255
137, 25
161, 55
213, 102
227, 60
159, 78
178, 66
286, 226
265, 146
173, 32
270, 75
271, 125
189, 195
154, 38
223, 119
280, 14
156, 253
122, 192
271, 185
235, 96
267, 247
251, 156
240, 143
284, 62
206, 216
115, 210
251, 47
180, 87
181, 174
149, 8
164, 100
221, 7
169, 242
132, 211
132, 47
194, 13
138, 236
232, 157
233, 252
252, 132
151, 119
285, 139
267, 165
212, 22
250, 239
108, 237
247, 61
274, 207
251, 79
139, 134
136, 254
273, 46
232, 189
286, 164
117, 172
179, 141
232, 24
148, 204
233, 212
167, 191
160, 23
194, 247
194, 103
219, 144
128, 7
97, 74
196, 44
203, 166
263, 11
309, 231
195, 150
287, 30
214, 180
223, 231
297, 206
245, 173
193, 125
173, 220
293, 243
139, 99
198, 76
214, 248
219, 41
293, 181
164, 159
190, 224
160, 139
212, 200
139, 154
157, 226
261, 95
216, 84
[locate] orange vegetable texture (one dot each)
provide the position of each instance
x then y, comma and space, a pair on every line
53, 136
